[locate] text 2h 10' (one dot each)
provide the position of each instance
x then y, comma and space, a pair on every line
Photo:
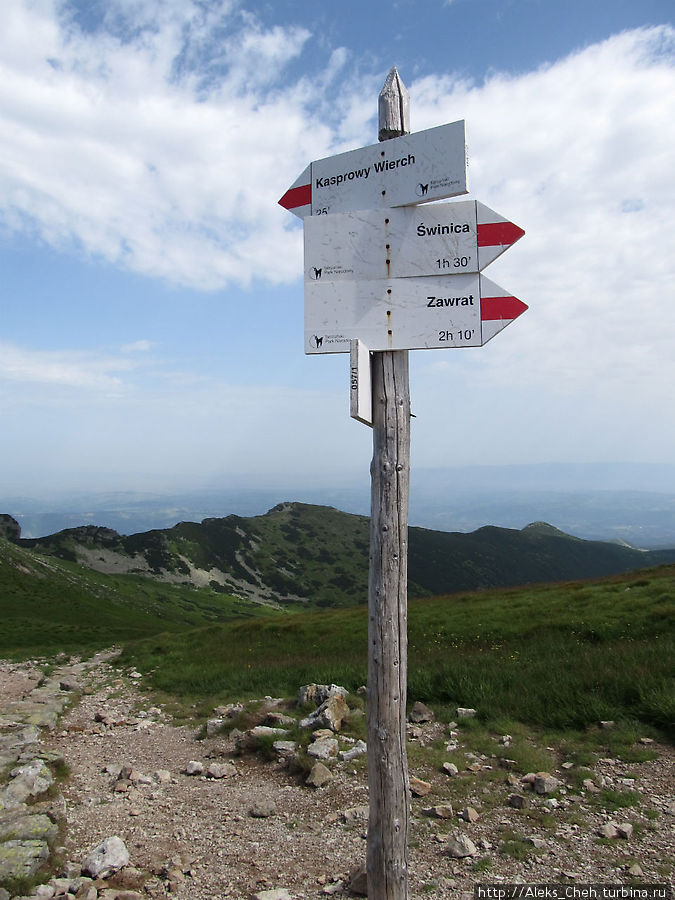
465, 334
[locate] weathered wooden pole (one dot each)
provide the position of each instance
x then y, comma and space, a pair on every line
387, 861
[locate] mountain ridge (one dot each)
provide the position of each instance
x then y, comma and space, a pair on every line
299, 555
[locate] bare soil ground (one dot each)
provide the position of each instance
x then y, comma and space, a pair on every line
198, 839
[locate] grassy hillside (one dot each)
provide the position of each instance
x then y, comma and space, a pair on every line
48, 605
558, 656
299, 555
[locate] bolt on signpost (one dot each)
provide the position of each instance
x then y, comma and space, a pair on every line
385, 273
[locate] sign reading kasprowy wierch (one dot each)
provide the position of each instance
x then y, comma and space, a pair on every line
406, 313
440, 239
414, 168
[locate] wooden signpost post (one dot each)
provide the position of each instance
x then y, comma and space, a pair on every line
384, 275
388, 822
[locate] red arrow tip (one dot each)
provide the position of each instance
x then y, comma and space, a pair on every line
297, 196
493, 234
493, 308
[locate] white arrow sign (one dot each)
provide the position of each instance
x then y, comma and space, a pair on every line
413, 168
406, 313
441, 239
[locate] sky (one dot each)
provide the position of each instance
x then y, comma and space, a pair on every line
151, 287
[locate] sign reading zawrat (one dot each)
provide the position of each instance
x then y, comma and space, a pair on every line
415, 313
414, 168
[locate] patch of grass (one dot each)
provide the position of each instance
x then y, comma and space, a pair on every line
612, 800
544, 656
482, 865
514, 846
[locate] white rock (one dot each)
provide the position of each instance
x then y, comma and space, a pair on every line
359, 748
109, 856
323, 749
459, 846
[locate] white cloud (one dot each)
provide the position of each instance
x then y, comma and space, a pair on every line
127, 148
83, 370
141, 346
579, 154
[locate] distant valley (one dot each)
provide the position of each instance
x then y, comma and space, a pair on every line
619, 502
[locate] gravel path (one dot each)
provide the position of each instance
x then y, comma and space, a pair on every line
197, 837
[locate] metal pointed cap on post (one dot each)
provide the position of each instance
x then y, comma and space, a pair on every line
393, 107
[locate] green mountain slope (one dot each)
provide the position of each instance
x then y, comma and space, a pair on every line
301, 555
48, 605
559, 656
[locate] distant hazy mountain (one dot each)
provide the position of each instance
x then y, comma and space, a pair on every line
632, 502
303, 555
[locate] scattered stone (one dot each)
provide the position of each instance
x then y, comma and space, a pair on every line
44, 892
419, 788
69, 684
21, 859
609, 831
319, 775
221, 770
442, 811
194, 768
624, 830
213, 727
646, 741
359, 749
421, 713
30, 780
450, 769
460, 846
607, 723
162, 776
590, 786
276, 894
357, 815
109, 856
464, 712
285, 748
469, 814
545, 783
326, 748
517, 801
250, 740
319, 693
279, 720
330, 714
536, 842
263, 809
22, 826
636, 870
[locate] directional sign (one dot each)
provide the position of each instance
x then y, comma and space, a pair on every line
406, 313
413, 168
441, 239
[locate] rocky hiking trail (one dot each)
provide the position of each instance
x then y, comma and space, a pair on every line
121, 803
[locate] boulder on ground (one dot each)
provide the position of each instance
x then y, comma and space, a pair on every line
421, 713
319, 775
109, 856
